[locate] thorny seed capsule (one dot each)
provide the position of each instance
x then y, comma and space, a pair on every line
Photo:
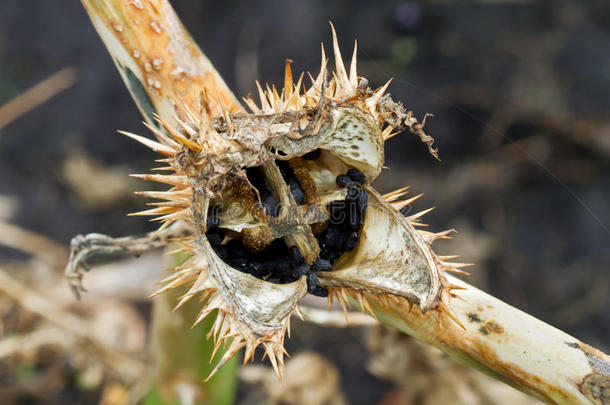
228, 157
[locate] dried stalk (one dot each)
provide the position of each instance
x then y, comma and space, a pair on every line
80, 329
507, 344
158, 60
33, 243
339, 319
84, 247
37, 95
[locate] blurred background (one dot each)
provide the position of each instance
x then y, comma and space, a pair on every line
520, 93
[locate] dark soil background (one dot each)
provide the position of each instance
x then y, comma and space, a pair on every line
520, 91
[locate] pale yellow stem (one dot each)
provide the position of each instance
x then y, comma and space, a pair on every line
37, 95
162, 66
508, 344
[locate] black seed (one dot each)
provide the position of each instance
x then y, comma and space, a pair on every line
235, 248
356, 175
282, 264
295, 254
336, 212
222, 253
333, 256
285, 262
343, 180
362, 201
355, 219
255, 269
353, 191
300, 271
351, 241
312, 281
271, 205
240, 262
213, 222
334, 237
320, 291
321, 265
214, 238
267, 267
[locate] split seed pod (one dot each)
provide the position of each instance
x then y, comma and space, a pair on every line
260, 190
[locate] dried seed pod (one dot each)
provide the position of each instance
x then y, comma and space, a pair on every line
292, 209
386, 243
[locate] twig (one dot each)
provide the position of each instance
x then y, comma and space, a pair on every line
82, 247
33, 243
33, 97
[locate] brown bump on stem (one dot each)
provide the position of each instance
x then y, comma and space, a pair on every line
492, 326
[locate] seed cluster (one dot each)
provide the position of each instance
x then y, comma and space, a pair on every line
346, 216
281, 264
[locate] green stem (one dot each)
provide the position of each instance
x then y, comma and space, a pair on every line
181, 356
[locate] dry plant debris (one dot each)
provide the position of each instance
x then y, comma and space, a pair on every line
310, 379
428, 376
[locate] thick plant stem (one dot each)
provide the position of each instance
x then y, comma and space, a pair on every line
161, 65
181, 357
507, 344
